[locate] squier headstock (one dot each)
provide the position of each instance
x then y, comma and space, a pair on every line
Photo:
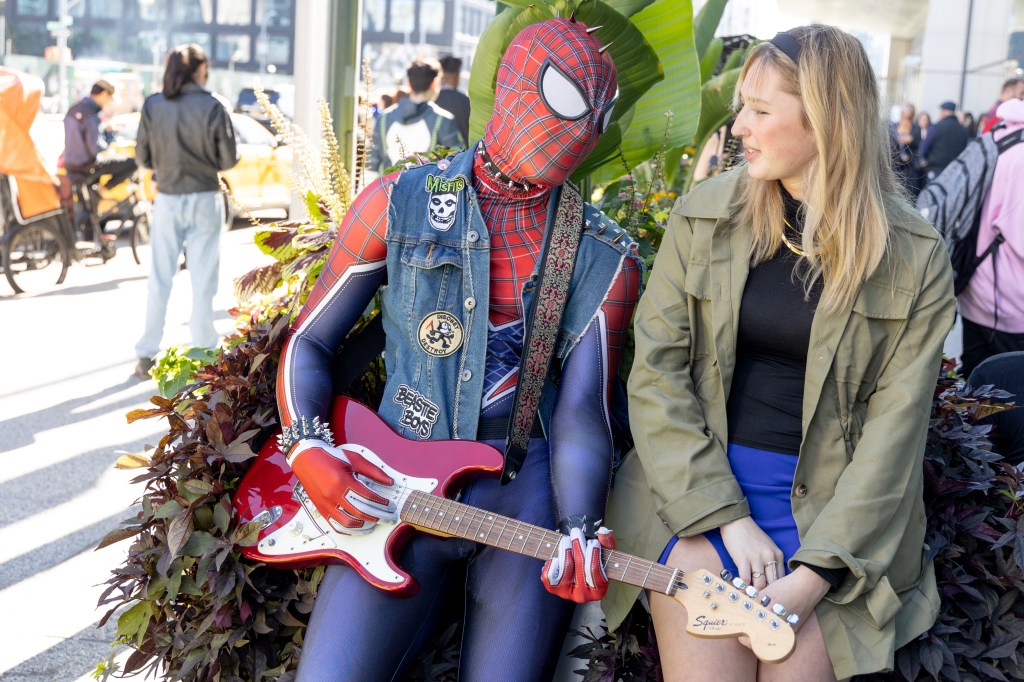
722, 606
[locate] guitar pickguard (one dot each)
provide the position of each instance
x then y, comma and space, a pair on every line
308, 530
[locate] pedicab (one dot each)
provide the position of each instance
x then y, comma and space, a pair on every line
33, 221
40, 227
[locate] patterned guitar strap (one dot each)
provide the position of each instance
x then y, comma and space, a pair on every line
544, 318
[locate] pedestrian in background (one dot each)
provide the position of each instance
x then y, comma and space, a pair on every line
83, 142
944, 142
906, 137
992, 305
787, 348
1012, 88
414, 124
969, 124
450, 98
186, 137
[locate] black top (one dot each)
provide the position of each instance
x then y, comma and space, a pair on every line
765, 407
766, 400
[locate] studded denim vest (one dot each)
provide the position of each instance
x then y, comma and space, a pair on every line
435, 301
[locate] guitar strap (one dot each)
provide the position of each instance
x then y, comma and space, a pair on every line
557, 259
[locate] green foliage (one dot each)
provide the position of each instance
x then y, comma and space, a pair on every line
188, 603
175, 368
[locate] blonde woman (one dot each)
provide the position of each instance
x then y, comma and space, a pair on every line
787, 348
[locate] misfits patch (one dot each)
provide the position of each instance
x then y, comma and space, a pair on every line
444, 200
419, 414
440, 334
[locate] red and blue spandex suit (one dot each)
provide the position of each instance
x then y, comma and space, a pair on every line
555, 92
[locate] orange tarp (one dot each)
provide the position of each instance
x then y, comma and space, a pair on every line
19, 103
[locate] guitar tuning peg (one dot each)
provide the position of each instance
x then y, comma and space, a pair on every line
726, 575
751, 591
792, 619
766, 600
779, 610
739, 583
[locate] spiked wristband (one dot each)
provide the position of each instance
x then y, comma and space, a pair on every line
301, 430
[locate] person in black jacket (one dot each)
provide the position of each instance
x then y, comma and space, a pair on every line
945, 140
186, 137
450, 98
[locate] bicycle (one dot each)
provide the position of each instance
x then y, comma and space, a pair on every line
37, 251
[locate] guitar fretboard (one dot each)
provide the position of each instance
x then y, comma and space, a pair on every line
447, 517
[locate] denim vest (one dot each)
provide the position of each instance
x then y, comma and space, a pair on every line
435, 302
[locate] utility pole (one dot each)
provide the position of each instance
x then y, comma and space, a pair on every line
62, 31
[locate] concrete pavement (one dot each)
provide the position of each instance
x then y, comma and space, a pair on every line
66, 360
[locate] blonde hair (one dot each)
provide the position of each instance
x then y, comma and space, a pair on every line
850, 191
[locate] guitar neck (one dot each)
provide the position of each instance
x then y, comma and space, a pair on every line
442, 516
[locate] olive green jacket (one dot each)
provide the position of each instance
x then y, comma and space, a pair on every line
857, 495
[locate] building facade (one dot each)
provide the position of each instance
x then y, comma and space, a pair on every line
242, 35
397, 31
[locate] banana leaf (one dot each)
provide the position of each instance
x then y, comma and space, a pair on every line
706, 23
667, 25
627, 8
635, 60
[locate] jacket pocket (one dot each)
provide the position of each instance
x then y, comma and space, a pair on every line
876, 325
882, 603
430, 254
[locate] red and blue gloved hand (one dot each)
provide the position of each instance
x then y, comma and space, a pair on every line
576, 572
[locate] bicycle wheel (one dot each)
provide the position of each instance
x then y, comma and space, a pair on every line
140, 238
35, 258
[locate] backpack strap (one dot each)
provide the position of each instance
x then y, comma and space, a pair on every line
382, 124
1007, 141
438, 120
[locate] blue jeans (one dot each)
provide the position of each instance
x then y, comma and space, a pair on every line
180, 219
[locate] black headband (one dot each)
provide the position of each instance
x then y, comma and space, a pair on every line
788, 44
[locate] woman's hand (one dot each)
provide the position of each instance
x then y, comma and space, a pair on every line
753, 552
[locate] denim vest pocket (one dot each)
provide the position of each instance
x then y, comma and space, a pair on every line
429, 254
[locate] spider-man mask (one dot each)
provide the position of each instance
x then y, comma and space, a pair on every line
555, 94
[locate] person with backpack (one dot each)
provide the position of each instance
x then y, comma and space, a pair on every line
414, 124
992, 303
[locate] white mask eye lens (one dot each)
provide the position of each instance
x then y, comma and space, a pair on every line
606, 117
562, 95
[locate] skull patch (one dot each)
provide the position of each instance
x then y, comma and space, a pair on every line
441, 210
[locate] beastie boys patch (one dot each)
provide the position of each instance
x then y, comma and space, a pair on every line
419, 414
440, 334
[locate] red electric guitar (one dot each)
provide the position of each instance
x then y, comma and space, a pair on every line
292, 533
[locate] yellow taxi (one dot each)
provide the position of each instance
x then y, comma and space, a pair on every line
260, 181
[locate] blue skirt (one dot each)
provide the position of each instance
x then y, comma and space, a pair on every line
766, 479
